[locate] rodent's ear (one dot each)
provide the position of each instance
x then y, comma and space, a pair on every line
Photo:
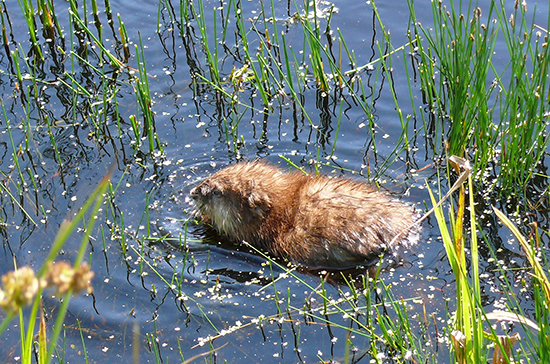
259, 204
256, 199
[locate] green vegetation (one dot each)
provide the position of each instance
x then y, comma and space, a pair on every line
23, 287
497, 116
469, 106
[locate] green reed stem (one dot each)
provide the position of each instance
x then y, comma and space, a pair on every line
211, 52
115, 63
28, 12
143, 95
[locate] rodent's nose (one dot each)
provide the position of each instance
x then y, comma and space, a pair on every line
194, 192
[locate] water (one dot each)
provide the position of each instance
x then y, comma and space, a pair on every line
222, 288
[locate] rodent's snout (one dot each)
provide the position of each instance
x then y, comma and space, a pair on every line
194, 192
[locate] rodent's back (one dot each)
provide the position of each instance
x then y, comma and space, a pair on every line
343, 222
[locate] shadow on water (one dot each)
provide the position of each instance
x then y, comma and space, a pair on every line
243, 261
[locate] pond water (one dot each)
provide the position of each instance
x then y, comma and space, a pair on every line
168, 298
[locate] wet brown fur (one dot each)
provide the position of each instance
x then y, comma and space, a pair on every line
312, 220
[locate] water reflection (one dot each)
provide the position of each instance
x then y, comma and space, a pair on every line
71, 109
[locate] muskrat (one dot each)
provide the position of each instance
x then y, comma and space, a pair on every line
311, 220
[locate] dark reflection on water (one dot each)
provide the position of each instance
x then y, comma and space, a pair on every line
240, 287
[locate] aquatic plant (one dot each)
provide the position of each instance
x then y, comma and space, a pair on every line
23, 286
495, 114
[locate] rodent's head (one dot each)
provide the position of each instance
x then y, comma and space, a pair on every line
232, 202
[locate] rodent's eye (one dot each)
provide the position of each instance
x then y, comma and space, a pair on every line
216, 192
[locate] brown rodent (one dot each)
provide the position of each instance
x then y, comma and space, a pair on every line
311, 220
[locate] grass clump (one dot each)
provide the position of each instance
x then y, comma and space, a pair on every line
471, 329
496, 115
